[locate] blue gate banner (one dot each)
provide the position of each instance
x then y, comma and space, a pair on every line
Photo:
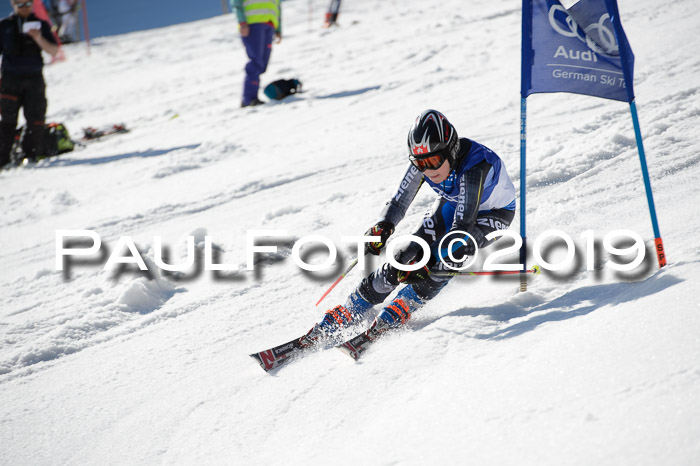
575, 46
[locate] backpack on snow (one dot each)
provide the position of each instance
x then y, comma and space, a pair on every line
282, 88
57, 139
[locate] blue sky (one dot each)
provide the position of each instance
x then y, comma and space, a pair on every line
110, 17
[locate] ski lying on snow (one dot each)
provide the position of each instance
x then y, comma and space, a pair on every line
91, 133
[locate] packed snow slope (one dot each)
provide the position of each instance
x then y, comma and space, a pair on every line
586, 367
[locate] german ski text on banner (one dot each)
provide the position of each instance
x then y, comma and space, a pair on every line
574, 50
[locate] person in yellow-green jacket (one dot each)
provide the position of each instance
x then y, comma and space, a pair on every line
260, 21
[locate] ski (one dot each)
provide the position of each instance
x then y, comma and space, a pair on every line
355, 346
275, 357
314, 339
90, 133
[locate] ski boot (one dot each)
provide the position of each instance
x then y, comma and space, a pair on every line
323, 334
253, 103
396, 314
332, 321
399, 311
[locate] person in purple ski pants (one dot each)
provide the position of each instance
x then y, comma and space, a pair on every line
260, 21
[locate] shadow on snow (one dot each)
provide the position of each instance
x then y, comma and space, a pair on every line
59, 162
337, 95
574, 303
348, 93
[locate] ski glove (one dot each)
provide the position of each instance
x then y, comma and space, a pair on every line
415, 276
383, 230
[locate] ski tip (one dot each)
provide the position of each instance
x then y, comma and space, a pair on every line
256, 357
266, 363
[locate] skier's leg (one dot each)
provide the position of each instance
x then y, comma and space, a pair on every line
486, 222
381, 283
332, 14
9, 111
335, 7
375, 288
411, 297
35, 114
255, 47
269, 34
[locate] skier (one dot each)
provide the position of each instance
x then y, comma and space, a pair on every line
475, 195
259, 21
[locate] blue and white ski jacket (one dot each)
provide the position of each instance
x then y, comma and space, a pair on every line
494, 191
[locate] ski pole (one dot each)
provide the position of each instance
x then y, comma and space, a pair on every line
535, 269
350, 267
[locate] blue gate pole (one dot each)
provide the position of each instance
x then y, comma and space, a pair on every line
658, 243
523, 186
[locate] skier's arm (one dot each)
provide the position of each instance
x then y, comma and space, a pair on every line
395, 209
44, 39
237, 7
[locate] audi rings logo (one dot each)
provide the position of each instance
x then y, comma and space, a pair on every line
598, 36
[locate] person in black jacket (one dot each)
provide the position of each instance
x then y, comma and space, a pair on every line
23, 37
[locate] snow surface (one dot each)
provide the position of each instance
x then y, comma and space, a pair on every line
584, 368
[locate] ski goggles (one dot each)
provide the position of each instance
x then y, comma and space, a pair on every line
24, 4
431, 161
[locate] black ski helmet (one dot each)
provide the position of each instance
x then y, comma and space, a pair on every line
432, 132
